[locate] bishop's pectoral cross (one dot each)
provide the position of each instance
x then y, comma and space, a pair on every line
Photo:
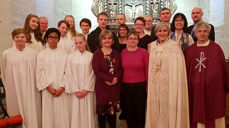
200, 61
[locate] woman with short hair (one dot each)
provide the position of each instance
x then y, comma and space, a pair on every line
106, 64
167, 101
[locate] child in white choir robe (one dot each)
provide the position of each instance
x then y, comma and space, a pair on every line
80, 80
33, 33
65, 43
51, 65
72, 30
18, 70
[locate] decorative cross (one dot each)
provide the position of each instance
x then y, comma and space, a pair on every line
200, 61
133, 5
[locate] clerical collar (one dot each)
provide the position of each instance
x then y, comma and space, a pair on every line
147, 32
204, 44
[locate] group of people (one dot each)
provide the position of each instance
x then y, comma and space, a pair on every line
163, 76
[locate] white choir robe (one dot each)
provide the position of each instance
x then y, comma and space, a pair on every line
67, 44
18, 70
50, 71
80, 76
35, 45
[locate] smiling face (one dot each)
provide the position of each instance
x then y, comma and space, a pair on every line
63, 29
197, 14
20, 40
85, 27
162, 34
33, 23
179, 23
202, 34
123, 32
43, 24
139, 26
70, 20
102, 21
132, 41
53, 40
107, 41
80, 44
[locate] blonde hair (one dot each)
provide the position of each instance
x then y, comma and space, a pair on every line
103, 34
81, 36
161, 24
73, 29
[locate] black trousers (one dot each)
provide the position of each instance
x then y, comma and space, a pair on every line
111, 119
134, 97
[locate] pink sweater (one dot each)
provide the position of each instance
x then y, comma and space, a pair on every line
135, 65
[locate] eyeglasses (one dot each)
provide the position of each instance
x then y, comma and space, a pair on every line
53, 38
179, 20
122, 29
202, 31
139, 24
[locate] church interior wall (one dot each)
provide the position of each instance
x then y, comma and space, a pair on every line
14, 12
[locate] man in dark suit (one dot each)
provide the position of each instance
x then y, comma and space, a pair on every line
93, 37
197, 15
165, 16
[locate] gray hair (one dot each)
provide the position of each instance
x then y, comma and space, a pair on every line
161, 24
202, 24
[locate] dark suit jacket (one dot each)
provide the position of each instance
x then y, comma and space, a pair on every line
154, 37
211, 35
93, 40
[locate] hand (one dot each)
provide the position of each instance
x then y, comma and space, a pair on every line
108, 83
59, 91
51, 90
81, 94
78, 94
115, 80
84, 92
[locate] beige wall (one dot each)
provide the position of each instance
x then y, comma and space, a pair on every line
14, 12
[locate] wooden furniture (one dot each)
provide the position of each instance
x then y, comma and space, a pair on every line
227, 96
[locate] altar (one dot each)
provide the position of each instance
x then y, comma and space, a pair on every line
132, 8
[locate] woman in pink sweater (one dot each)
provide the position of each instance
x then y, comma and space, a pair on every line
135, 73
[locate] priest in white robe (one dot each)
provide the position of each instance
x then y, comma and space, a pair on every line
81, 82
18, 70
50, 72
167, 100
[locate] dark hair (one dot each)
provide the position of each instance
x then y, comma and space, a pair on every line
165, 9
51, 30
86, 20
132, 33
28, 30
102, 13
182, 16
123, 26
141, 19
65, 22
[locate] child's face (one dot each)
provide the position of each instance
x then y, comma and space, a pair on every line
80, 44
20, 39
